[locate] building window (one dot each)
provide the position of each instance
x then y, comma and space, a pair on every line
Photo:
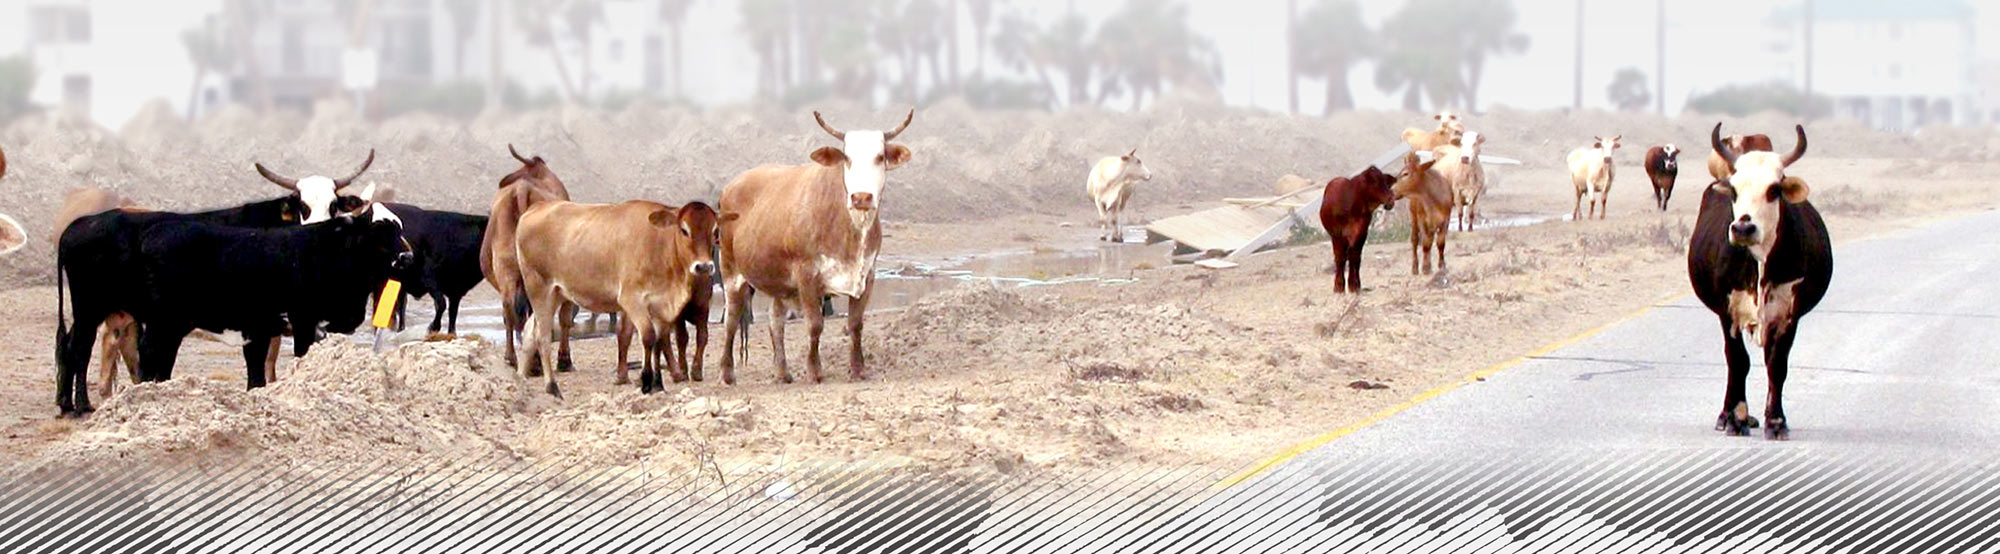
59, 24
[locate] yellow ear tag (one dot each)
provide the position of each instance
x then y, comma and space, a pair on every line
391, 291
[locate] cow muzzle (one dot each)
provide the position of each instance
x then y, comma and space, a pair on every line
1743, 232
702, 268
861, 200
402, 261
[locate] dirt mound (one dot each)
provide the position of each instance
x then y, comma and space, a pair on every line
982, 321
341, 403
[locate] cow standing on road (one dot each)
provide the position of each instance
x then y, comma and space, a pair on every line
801, 232
1760, 258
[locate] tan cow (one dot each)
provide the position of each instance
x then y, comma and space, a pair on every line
1430, 210
799, 233
497, 252
635, 258
12, 235
1591, 170
1719, 168
1449, 128
1110, 184
1460, 166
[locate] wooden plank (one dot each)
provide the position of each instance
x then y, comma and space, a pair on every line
1391, 158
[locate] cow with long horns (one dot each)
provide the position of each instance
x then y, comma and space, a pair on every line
1760, 258
801, 232
317, 198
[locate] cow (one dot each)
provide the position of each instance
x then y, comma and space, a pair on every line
497, 254
1346, 209
12, 235
316, 198
801, 232
1760, 258
1430, 209
1110, 185
1459, 163
1450, 127
174, 273
447, 265
695, 315
1591, 170
636, 258
1662, 167
1719, 169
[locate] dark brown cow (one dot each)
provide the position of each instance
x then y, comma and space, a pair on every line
1662, 167
702, 293
635, 258
1346, 209
799, 233
497, 258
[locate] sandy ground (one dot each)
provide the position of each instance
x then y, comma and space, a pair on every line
1177, 365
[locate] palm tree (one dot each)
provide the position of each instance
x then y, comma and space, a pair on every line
982, 16
674, 13
1338, 40
762, 21
244, 16
1067, 47
1149, 43
1421, 60
1485, 27
532, 18
207, 52
1628, 90
582, 17
1018, 46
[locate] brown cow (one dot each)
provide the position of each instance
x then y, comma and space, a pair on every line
636, 258
1346, 209
1430, 210
1719, 168
802, 232
497, 259
702, 293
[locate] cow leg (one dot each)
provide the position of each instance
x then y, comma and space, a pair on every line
735, 307
624, 354
453, 321
536, 336
857, 318
1339, 267
1735, 418
565, 322
271, 358
649, 341
159, 346
437, 310
679, 348
1441, 237
510, 322
1416, 238
815, 313
778, 336
665, 352
1354, 261
254, 349
107, 362
73, 358
1777, 364
701, 348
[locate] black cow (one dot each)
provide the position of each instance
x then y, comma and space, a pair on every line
447, 260
178, 272
1760, 258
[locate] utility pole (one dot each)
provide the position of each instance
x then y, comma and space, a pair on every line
1578, 103
1292, 54
1808, 109
1660, 63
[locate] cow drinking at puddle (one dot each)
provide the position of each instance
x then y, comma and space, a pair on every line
801, 232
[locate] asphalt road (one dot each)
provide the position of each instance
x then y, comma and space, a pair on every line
1903, 354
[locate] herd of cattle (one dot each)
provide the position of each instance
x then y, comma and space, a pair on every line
304, 264
1759, 255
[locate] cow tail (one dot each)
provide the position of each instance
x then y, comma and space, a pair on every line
62, 320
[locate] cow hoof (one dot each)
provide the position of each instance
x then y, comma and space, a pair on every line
555, 391
564, 365
1777, 430
858, 376
1735, 427
622, 381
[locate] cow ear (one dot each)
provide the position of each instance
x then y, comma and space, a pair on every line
829, 156
1794, 189
896, 155
729, 216
1458, 142
660, 218
1439, 117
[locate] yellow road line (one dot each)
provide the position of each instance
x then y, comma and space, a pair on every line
1301, 448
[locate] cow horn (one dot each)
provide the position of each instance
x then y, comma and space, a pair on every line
1722, 148
283, 181
1798, 151
906, 124
1135, 152
342, 183
517, 155
838, 134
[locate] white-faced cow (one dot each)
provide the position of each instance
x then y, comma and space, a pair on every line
317, 198
1110, 185
1662, 167
1591, 170
801, 232
1760, 258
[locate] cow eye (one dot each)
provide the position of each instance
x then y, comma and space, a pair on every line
1772, 194
880, 159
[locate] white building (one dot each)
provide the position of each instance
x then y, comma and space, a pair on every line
1896, 65
107, 58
